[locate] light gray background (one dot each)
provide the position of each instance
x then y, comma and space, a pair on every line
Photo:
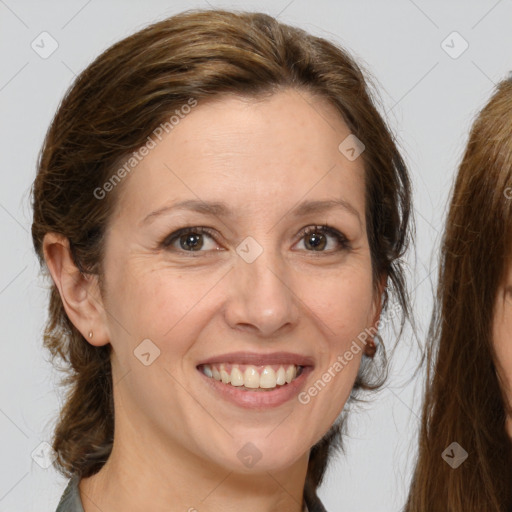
429, 100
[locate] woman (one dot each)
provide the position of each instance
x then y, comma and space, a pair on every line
222, 211
465, 455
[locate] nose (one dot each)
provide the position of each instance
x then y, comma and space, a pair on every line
261, 298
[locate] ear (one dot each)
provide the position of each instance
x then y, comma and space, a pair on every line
79, 293
375, 314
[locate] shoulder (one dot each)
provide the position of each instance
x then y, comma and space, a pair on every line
70, 500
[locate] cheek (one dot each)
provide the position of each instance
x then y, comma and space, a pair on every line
343, 304
343, 310
154, 302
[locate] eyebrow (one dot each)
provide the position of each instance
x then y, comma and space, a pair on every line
219, 209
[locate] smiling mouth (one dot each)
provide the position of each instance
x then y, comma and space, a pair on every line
250, 377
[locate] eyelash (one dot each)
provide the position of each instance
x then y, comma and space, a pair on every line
200, 230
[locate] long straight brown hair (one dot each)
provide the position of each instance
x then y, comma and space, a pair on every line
463, 401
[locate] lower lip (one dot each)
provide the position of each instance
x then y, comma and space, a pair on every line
259, 399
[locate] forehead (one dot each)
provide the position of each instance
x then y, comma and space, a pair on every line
251, 152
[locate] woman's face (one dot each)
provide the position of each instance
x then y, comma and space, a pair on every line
245, 288
501, 336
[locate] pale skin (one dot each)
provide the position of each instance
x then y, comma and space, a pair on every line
502, 327
176, 441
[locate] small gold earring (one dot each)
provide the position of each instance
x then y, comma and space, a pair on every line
90, 334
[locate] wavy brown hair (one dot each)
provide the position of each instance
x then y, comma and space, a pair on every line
111, 109
464, 402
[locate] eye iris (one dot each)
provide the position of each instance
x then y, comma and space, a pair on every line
315, 240
191, 241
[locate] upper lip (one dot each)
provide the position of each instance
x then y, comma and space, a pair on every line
256, 359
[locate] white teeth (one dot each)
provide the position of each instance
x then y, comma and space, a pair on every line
251, 378
291, 371
237, 377
280, 376
268, 378
224, 375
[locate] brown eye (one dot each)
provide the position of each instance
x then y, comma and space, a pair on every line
316, 239
193, 239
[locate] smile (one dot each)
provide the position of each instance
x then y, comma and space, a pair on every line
251, 377
254, 380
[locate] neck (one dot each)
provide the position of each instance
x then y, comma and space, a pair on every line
143, 474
